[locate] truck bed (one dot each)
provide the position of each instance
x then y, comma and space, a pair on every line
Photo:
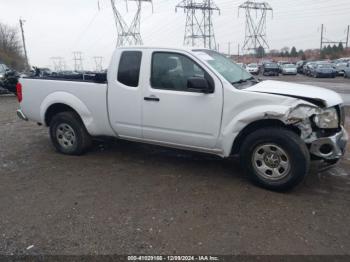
86, 97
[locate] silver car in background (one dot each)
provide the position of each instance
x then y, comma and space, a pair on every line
289, 69
253, 69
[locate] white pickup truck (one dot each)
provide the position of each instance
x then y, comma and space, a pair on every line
197, 100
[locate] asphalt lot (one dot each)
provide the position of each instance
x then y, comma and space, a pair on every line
129, 198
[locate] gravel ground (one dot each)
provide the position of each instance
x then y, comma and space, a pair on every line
129, 198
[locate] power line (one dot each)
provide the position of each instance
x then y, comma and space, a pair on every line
325, 41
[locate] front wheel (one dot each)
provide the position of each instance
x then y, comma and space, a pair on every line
275, 158
68, 134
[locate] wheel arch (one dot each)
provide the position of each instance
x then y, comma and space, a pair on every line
61, 101
55, 109
258, 124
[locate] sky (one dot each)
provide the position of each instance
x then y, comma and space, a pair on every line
57, 28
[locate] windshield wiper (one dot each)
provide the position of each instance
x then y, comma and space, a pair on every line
241, 81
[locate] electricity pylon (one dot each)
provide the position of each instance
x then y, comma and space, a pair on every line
58, 63
255, 25
78, 61
129, 35
98, 63
199, 30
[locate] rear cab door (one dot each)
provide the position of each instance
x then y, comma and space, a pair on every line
125, 93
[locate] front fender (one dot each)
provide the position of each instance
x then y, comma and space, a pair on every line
246, 117
71, 101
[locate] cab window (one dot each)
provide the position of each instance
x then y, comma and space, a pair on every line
129, 68
171, 71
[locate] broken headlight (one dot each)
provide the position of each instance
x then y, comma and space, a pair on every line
327, 119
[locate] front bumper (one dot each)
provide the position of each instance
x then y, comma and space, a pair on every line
289, 72
330, 148
21, 115
325, 74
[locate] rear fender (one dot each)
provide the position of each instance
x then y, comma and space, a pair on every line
73, 102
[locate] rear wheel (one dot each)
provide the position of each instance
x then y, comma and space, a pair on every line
68, 134
275, 158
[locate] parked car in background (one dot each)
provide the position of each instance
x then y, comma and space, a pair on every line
8, 78
242, 65
253, 68
300, 65
347, 71
308, 67
280, 65
323, 70
3, 69
270, 69
289, 69
340, 68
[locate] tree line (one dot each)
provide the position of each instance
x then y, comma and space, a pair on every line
11, 48
328, 52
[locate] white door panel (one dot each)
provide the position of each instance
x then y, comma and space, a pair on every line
124, 103
182, 117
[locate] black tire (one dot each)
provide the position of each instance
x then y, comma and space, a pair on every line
297, 155
82, 139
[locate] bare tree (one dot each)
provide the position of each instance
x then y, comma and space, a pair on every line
11, 48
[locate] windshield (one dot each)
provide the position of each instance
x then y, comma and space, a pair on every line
289, 66
253, 65
2, 68
225, 66
271, 65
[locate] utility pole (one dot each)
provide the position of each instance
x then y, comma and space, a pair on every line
129, 35
255, 27
199, 30
21, 22
321, 45
347, 36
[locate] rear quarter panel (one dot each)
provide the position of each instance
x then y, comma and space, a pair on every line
87, 99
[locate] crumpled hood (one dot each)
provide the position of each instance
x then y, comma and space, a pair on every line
327, 97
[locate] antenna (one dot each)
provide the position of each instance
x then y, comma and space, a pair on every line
129, 35
199, 30
255, 25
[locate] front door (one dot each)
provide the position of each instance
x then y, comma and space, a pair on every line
171, 112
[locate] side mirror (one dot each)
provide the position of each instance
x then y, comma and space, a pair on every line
200, 85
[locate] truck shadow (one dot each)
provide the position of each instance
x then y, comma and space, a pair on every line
157, 155
213, 167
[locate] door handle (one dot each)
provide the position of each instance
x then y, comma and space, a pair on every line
152, 99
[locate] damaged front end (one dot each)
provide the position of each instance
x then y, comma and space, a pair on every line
321, 129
